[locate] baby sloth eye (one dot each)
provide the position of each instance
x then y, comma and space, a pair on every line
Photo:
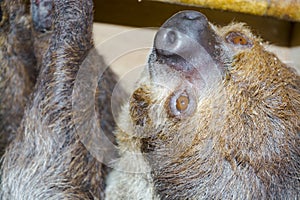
181, 103
237, 38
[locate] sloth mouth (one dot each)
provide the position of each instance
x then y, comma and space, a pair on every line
190, 71
193, 70
175, 62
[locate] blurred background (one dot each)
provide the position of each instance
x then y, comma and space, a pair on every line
124, 29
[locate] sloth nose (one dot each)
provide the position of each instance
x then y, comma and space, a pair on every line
188, 43
180, 33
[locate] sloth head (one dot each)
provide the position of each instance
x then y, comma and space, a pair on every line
214, 109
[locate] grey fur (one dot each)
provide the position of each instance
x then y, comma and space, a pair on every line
48, 159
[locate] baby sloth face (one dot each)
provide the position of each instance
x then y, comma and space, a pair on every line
215, 115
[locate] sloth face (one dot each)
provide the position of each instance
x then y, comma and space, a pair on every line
215, 109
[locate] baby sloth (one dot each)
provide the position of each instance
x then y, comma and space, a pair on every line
214, 116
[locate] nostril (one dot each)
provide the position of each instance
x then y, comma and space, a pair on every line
192, 15
167, 41
171, 36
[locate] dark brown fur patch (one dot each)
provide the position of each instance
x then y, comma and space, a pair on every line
139, 106
147, 145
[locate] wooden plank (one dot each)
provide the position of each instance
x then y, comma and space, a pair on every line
287, 9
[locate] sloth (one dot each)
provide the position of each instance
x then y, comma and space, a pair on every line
24, 40
213, 116
17, 73
49, 157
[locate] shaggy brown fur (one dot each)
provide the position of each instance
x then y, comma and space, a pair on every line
17, 74
48, 159
237, 135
